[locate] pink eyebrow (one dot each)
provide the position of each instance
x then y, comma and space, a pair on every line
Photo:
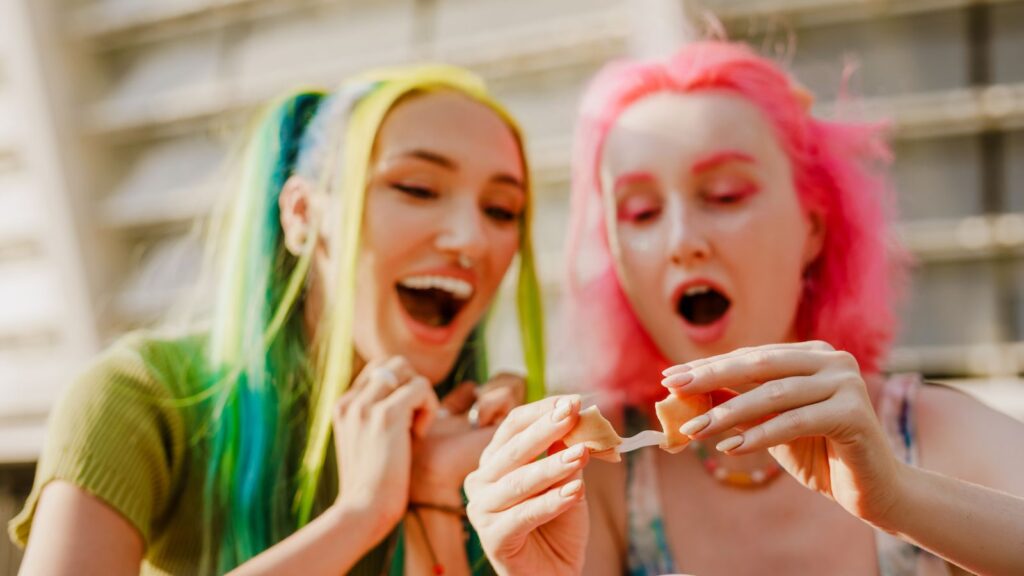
632, 178
716, 159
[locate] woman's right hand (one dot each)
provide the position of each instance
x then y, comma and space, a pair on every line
374, 425
530, 514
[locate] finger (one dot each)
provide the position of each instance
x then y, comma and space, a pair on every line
342, 405
494, 405
682, 368
531, 442
515, 383
762, 402
363, 378
539, 510
812, 420
459, 400
532, 479
385, 379
521, 417
752, 368
413, 405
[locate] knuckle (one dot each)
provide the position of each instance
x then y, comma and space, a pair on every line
514, 452
472, 508
470, 484
518, 413
821, 345
849, 360
515, 485
710, 371
360, 410
792, 421
761, 359
776, 390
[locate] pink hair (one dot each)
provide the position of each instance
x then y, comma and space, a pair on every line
838, 171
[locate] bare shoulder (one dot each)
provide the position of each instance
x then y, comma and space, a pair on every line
961, 437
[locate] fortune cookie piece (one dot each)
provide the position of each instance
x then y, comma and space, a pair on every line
673, 412
595, 432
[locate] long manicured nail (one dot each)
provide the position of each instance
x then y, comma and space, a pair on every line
573, 453
696, 425
730, 443
678, 369
563, 407
677, 380
571, 488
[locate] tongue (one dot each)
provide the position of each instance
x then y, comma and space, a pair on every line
703, 309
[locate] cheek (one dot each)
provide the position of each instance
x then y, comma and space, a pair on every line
641, 259
502, 248
392, 229
767, 259
641, 268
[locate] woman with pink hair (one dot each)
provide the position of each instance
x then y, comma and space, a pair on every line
725, 242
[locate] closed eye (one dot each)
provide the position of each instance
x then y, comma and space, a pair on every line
500, 214
420, 192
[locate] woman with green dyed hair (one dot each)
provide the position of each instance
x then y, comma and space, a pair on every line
369, 232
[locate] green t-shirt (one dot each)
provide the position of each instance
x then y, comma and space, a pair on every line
118, 434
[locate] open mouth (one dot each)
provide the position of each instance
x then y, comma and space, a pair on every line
434, 300
702, 305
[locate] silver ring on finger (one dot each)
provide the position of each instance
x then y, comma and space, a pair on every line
387, 376
474, 417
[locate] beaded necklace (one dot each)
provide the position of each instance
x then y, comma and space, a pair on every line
739, 478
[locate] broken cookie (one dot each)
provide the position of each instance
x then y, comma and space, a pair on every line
595, 432
673, 412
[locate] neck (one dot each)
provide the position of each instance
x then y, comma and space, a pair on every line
312, 321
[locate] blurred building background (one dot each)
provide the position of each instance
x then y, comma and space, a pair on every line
116, 115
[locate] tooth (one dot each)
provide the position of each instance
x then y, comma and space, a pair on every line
695, 290
455, 286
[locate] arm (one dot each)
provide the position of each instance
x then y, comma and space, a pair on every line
330, 544
968, 507
808, 405
374, 425
975, 527
75, 532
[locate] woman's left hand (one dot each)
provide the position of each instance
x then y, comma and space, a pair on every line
809, 406
452, 446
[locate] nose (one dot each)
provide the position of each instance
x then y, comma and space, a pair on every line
462, 231
688, 241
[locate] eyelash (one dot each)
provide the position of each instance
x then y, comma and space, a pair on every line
501, 214
419, 192
497, 214
733, 196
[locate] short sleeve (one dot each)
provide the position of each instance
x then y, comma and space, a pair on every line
115, 434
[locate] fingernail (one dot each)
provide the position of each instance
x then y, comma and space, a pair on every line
573, 453
730, 443
571, 488
562, 409
677, 380
677, 369
696, 425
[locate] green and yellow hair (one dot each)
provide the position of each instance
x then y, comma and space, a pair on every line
268, 392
